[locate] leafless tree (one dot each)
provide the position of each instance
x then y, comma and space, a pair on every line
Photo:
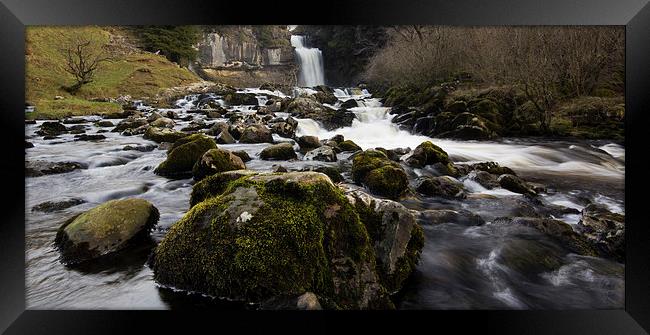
83, 56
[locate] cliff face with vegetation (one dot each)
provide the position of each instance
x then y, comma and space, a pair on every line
246, 55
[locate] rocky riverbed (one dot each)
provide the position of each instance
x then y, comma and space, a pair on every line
429, 223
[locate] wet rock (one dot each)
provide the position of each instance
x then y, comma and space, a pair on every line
76, 120
350, 103
332, 172
217, 128
307, 107
382, 176
163, 122
558, 230
283, 129
105, 123
160, 135
484, 179
224, 137
278, 235
398, 239
515, 184
243, 155
337, 139
40, 168
424, 125
183, 154
235, 99
308, 143
427, 153
493, 168
278, 168
325, 97
444, 186
141, 148
323, 153
51, 129
256, 134
172, 115
216, 160
348, 145
28, 145
130, 123
52, 206
85, 137
281, 151
440, 216
604, 230
105, 229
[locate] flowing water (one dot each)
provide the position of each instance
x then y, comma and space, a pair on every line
311, 63
491, 266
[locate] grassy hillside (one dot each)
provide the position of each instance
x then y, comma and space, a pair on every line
131, 71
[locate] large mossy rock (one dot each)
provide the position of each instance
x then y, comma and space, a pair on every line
105, 229
376, 171
427, 153
216, 160
184, 154
159, 135
282, 151
253, 237
256, 134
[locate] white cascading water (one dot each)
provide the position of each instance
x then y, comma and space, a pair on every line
311, 63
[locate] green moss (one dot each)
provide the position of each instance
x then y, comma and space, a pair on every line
159, 135
183, 154
348, 145
216, 160
302, 235
367, 161
388, 181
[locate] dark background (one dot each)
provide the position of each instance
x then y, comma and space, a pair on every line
18, 13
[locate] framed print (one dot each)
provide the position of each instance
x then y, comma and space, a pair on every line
375, 166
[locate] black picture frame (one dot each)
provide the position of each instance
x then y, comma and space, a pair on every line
633, 14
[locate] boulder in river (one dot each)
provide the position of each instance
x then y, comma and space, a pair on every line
216, 160
281, 151
243, 155
515, 184
348, 145
256, 134
105, 229
235, 99
443, 186
262, 236
162, 122
104, 123
605, 230
283, 129
324, 153
308, 143
160, 135
224, 137
52, 206
39, 168
183, 154
132, 122
382, 176
427, 153
51, 129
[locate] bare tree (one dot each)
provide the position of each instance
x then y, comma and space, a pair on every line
83, 56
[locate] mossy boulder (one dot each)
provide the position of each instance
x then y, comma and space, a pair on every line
183, 155
216, 160
270, 235
382, 176
105, 229
159, 135
348, 145
427, 153
282, 151
307, 143
240, 99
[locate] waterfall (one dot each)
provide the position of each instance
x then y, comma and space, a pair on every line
311, 63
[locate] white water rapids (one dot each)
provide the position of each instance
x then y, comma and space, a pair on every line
311, 63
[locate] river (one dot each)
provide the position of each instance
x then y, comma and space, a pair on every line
462, 266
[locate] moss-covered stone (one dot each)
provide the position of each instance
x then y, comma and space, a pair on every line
216, 160
107, 228
282, 151
348, 145
271, 235
381, 175
160, 135
183, 155
427, 153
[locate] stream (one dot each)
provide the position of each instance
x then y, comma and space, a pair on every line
462, 266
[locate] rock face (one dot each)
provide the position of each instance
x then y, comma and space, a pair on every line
605, 230
216, 160
183, 155
105, 229
283, 151
253, 237
382, 176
